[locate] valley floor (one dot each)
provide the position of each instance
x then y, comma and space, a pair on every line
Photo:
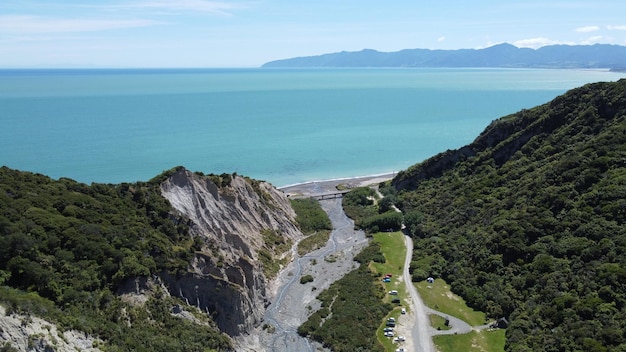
292, 301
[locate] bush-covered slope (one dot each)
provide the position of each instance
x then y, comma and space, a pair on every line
362, 205
74, 244
528, 222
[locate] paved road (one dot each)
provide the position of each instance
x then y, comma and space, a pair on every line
421, 331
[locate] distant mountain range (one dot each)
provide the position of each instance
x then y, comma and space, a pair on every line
501, 55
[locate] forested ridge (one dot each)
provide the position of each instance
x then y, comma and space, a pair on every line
65, 248
528, 222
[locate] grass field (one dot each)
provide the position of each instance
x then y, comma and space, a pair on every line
393, 247
438, 322
484, 341
438, 296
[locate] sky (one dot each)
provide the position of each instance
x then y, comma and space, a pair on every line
241, 33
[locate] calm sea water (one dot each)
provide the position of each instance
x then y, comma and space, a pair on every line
281, 125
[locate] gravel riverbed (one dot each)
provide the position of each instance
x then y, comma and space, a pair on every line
293, 302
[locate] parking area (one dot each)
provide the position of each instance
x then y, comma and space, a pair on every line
397, 326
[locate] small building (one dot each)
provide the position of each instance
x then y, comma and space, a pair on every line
501, 323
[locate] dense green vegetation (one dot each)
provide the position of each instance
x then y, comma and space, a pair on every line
310, 216
361, 204
313, 222
65, 247
528, 222
352, 309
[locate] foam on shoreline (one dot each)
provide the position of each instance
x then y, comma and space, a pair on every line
386, 175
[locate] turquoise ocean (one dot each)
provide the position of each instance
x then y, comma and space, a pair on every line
284, 126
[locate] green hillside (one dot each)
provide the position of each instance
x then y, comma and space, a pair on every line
65, 248
528, 222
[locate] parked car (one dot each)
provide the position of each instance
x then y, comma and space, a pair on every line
403, 311
392, 319
391, 324
399, 339
393, 292
388, 329
386, 279
389, 333
395, 300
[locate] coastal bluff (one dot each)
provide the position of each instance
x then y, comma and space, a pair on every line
226, 275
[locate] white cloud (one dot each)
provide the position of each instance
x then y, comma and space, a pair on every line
441, 39
616, 28
215, 7
593, 40
535, 43
487, 45
15, 24
587, 29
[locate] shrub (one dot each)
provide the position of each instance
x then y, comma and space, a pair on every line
306, 278
310, 215
389, 221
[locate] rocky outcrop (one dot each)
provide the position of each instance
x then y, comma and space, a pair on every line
29, 333
225, 276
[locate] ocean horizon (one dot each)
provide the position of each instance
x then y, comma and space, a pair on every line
284, 126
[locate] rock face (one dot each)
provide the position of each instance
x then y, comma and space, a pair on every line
225, 276
28, 333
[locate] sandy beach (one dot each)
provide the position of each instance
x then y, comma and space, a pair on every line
313, 188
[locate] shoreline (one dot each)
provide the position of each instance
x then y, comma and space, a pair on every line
384, 174
311, 188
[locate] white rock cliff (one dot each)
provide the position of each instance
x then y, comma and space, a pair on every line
29, 333
226, 277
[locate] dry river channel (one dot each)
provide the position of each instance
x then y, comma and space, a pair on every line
292, 301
